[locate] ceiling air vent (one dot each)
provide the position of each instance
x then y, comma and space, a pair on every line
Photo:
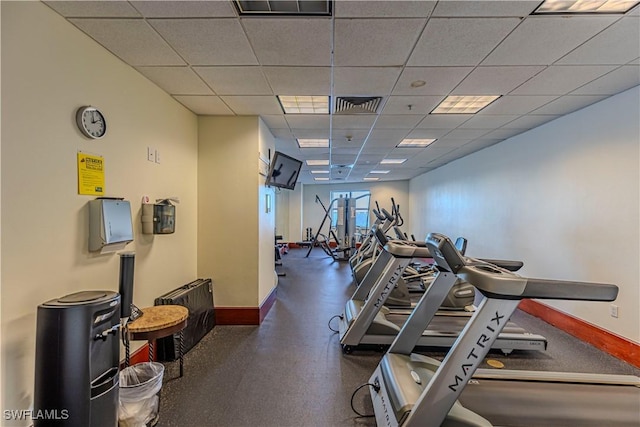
357, 104
284, 7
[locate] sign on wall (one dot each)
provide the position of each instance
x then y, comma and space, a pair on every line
90, 174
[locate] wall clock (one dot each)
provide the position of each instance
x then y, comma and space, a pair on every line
91, 122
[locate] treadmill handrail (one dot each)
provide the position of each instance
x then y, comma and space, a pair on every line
502, 285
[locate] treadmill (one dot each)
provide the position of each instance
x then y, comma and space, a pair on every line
365, 321
412, 390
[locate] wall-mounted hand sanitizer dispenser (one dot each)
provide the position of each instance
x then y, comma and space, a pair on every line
110, 226
159, 218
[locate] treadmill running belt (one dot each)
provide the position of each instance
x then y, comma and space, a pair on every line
530, 403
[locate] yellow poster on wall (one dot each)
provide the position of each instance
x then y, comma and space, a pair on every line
90, 174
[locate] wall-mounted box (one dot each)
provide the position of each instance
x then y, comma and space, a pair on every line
110, 226
159, 218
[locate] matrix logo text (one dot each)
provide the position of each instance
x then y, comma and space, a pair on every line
29, 414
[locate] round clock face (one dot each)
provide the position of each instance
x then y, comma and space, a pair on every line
91, 122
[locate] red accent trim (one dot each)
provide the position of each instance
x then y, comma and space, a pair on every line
245, 315
615, 345
138, 356
237, 315
268, 303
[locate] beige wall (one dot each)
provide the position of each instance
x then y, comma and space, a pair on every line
266, 219
289, 214
49, 69
563, 198
380, 191
234, 232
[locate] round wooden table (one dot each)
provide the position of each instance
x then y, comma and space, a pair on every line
158, 322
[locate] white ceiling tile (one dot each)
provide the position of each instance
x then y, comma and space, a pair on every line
204, 105
438, 80
176, 80
253, 105
514, 104
246, 80
213, 41
275, 121
427, 133
383, 9
634, 12
404, 121
542, 40
94, 9
451, 142
299, 80
307, 121
282, 133
503, 133
284, 41
530, 121
487, 121
411, 105
379, 42
376, 150
443, 121
635, 62
617, 44
567, 104
562, 79
132, 40
466, 8
495, 80
466, 133
357, 135
354, 81
353, 121
459, 41
616, 81
185, 9
343, 159
311, 133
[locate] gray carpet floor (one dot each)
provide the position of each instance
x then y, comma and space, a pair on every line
290, 371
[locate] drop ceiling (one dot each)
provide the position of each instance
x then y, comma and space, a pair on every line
216, 62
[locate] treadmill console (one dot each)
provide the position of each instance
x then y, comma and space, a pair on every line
444, 252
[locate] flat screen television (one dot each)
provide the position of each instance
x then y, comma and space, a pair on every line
283, 171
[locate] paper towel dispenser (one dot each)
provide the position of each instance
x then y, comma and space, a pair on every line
110, 226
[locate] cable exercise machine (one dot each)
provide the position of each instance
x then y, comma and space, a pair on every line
342, 233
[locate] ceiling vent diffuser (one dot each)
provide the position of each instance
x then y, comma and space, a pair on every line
357, 104
284, 7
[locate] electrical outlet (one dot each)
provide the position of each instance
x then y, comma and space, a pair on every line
151, 154
157, 156
613, 310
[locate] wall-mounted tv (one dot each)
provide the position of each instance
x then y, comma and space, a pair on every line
283, 171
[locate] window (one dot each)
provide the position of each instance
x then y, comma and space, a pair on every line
362, 208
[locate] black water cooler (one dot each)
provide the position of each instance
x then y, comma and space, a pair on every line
77, 360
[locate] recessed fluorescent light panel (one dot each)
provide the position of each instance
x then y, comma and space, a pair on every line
464, 104
415, 143
313, 143
371, 178
304, 104
380, 172
317, 162
585, 6
321, 179
393, 161
319, 171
